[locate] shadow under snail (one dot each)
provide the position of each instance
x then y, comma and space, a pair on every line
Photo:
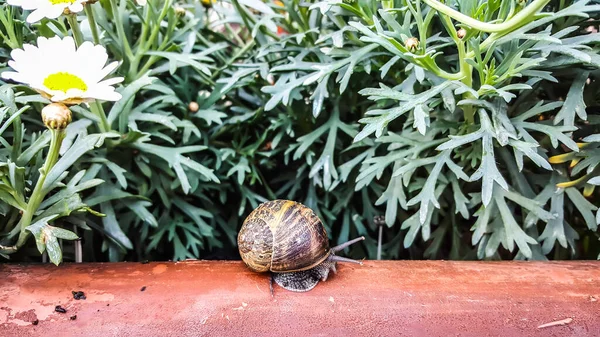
289, 240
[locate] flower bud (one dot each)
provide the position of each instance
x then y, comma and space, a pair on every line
412, 44
179, 11
193, 106
461, 33
56, 116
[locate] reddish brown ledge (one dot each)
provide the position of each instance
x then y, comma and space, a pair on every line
404, 298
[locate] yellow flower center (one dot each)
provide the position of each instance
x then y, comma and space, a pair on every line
64, 81
58, 2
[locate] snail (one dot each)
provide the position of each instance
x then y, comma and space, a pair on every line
289, 240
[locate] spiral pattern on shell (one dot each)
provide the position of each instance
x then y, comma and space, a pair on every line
282, 236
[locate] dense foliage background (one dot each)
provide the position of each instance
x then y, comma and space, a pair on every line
473, 141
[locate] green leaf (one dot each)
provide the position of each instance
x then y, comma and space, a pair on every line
112, 228
385, 116
174, 158
574, 103
128, 95
40, 143
64, 207
36, 229
81, 146
584, 207
140, 208
176, 60
240, 168
11, 119
514, 233
63, 233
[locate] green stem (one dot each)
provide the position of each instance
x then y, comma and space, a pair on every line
156, 27
135, 63
467, 71
89, 12
6, 17
17, 138
77, 34
120, 30
146, 44
242, 13
98, 110
387, 4
511, 24
38, 194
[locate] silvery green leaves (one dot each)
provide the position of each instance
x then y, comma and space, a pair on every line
418, 104
487, 171
298, 74
334, 128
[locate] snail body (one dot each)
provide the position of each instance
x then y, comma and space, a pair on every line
288, 239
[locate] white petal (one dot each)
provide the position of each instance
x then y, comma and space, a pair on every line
72, 93
36, 16
105, 95
60, 96
76, 7
109, 69
54, 11
111, 81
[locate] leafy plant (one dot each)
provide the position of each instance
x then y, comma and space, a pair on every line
472, 126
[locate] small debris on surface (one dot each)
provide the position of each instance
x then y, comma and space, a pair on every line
244, 305
331, 299
143, 288
35, 322
78, 295
60, 309
144, 262
204, 320
593, 298
107, 304
555, 323
74, 317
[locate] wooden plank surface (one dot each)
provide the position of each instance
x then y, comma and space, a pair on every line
379, 298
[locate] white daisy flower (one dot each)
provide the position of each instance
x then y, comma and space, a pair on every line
63, 73
50, 9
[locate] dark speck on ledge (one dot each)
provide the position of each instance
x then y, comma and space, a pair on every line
143, 288
60, 309
78, 295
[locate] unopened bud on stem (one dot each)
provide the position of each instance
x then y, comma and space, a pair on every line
412, 44
193, 106
56, 116
180, 11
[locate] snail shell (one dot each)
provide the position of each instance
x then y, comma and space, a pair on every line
283, 236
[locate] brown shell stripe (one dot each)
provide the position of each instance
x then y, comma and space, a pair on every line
300, 240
